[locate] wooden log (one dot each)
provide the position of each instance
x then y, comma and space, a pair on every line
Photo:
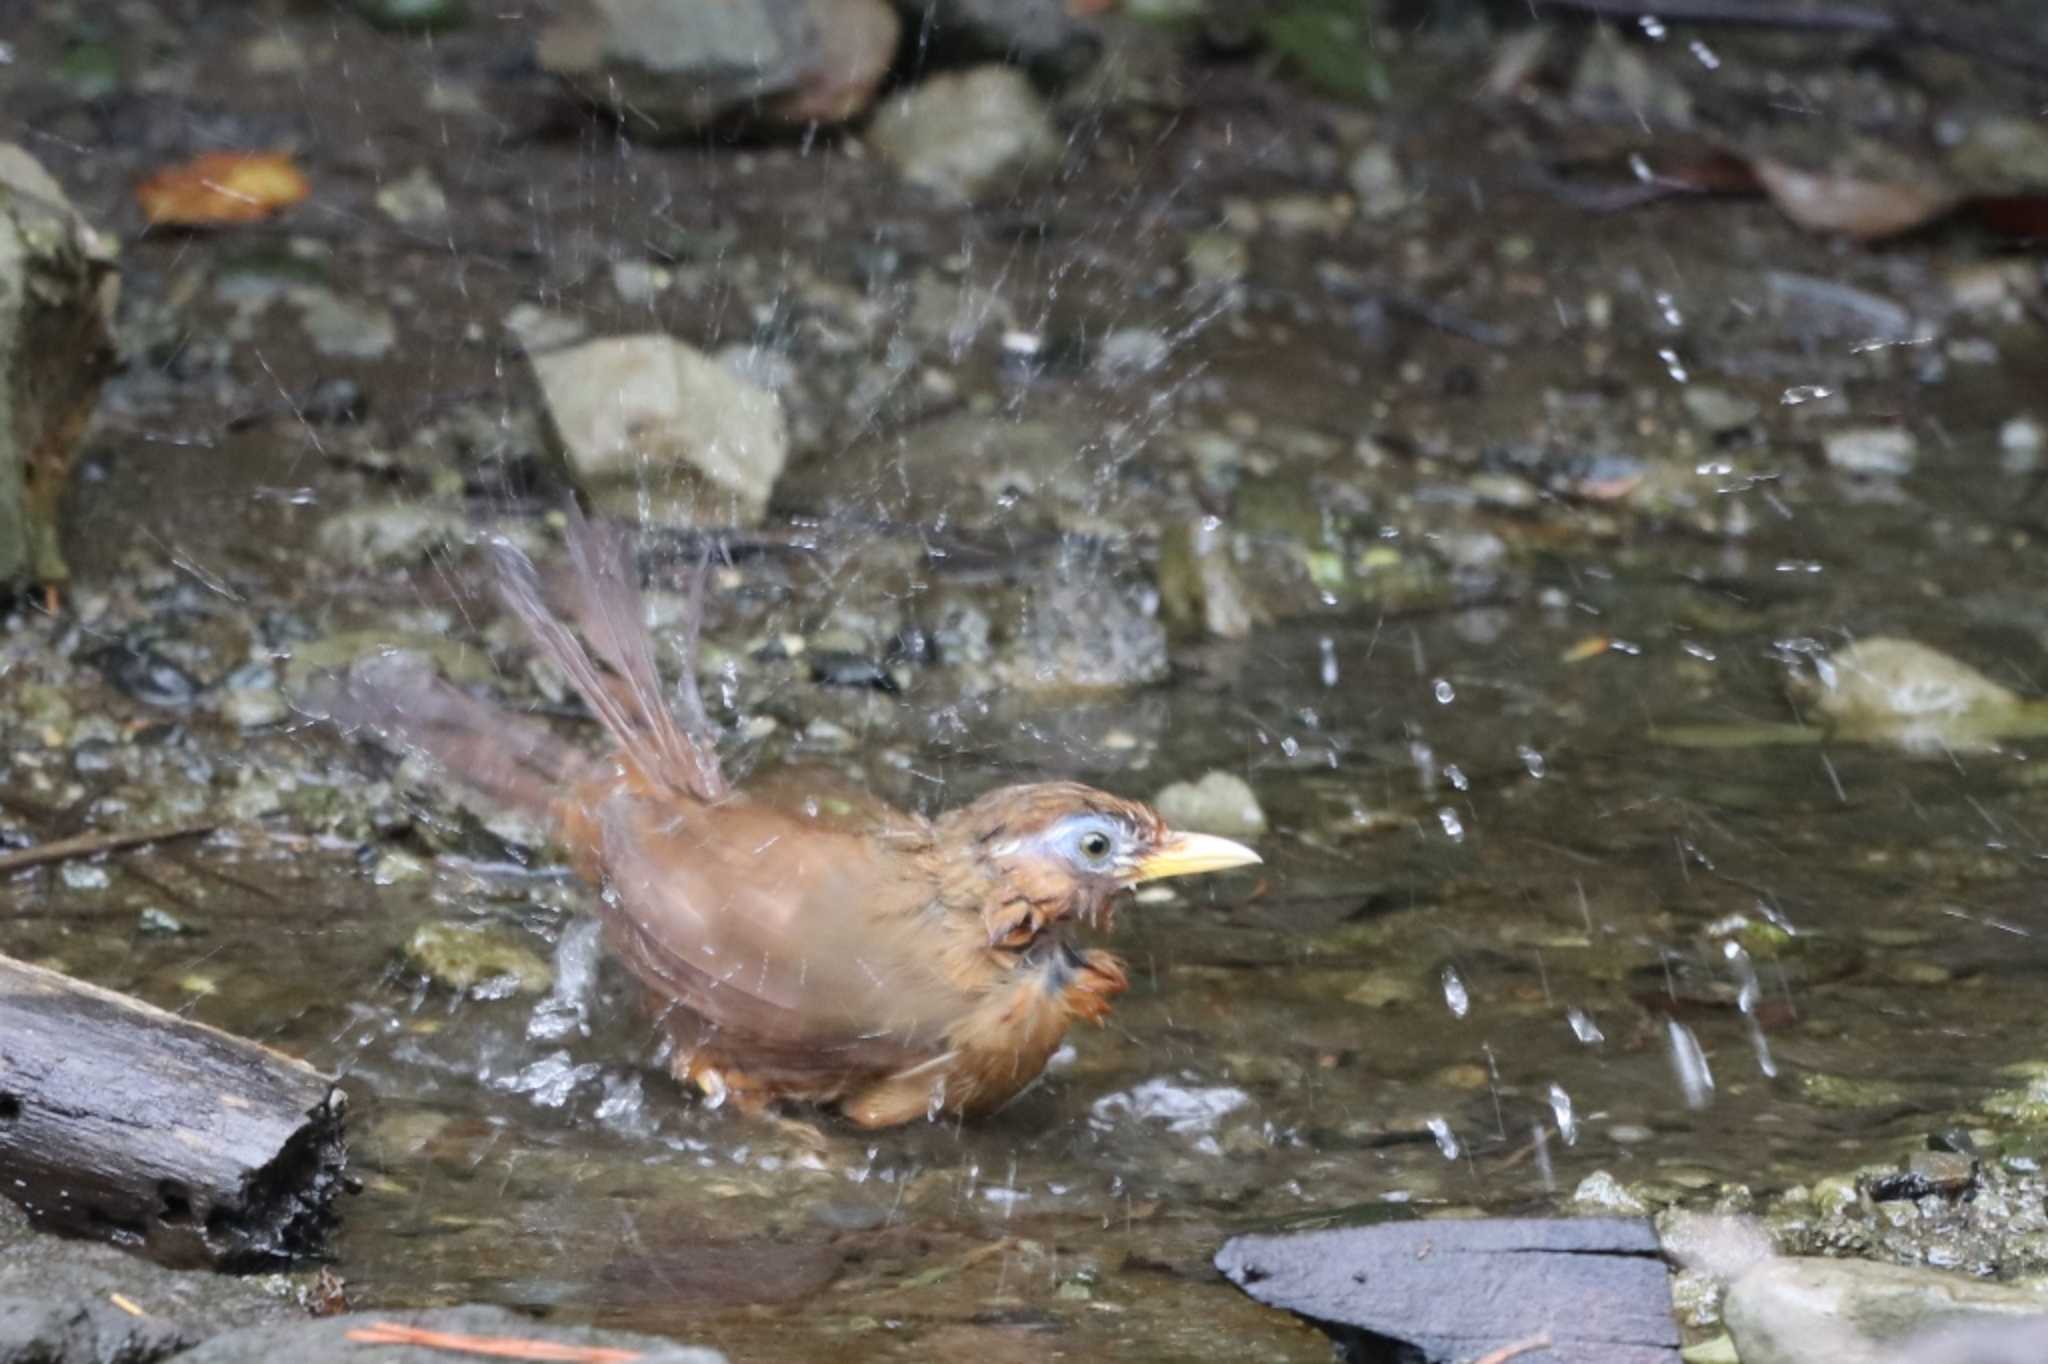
121, 1122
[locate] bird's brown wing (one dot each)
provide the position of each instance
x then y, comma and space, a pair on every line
816, 944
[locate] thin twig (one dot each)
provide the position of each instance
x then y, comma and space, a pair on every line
497, 1347
89, 845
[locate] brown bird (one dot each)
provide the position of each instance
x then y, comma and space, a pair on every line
805, 940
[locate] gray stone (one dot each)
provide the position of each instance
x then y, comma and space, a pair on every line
1902, 691
1815, 1311
1376, 180
1454, 1290
650, 424
2022, 1341
1220, 803
672, 67
75, 1331
1880, 451
385, 533
327, 1341
1085, 629
1041, 34
965, 133
69, 1276
1716, 411
972, 472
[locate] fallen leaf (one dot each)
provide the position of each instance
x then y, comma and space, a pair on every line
222, 187
1592, 646
1820, 201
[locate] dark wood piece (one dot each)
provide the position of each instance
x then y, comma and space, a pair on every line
1595, 1287
124, 1123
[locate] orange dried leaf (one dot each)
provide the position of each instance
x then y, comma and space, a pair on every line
222, 187
495, 1347
1592, 646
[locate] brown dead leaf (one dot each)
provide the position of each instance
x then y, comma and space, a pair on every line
1824, 201
222, 187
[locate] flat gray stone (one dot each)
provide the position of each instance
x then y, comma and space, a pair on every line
1595, 1286
1816, 1311
75, 1331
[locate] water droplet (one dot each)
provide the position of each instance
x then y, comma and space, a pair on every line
1673, 366
1454, 828
1532, 761
1805, 393
1689, 1063
1444, 692
1446, 1139
1456, 997
1561, 1109
1327, 647
1583, 1026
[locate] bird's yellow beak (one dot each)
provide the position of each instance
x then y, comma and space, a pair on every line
1189, 854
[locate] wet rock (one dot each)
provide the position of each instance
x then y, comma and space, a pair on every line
966, 470
414, 200
1618, 82
74, 1331
1814, 1311
1901, 690
1131, 351
1086, 630
70, 1276
1377, 183
58, 288
1601, 1190
388, 533
1718, 412
1199, 583
1872, 451
853, 43
2024, 1341
477, 960
669, 68
648, 419
2021, 441
1044, 35
137, 670
2003, 155
1454, 1290
327, 1341
458, 662
965, 134
535, 329
1219, 803
346, 328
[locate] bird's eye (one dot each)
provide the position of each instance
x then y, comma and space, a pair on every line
1095, 845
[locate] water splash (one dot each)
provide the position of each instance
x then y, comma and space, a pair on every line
1689, 1064
1583, 1026
1456, 997
1446, 1139
1561, 1109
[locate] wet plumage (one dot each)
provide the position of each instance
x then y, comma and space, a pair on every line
803, 939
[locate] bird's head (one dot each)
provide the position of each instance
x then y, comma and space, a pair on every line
1049, 851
